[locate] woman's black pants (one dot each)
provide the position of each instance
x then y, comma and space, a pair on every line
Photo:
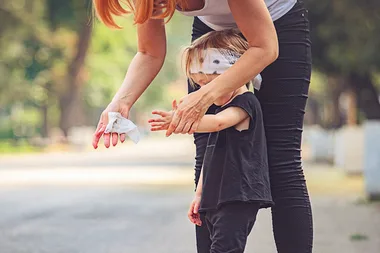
283, 96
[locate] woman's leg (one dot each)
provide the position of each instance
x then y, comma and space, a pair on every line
200, 141
283, 98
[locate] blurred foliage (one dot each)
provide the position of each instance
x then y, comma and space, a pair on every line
59, 67
17, 146
358, 237
345, 35
346, 42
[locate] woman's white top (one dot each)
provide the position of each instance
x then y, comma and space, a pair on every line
217, 14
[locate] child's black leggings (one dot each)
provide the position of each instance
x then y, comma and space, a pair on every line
283, 98
228, 227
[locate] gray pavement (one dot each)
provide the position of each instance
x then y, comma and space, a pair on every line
153, 219
134, 199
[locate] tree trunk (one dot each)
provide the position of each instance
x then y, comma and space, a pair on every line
333, 113
312, 115
45, 125
71, 101
72, 113
352, 108
367, 95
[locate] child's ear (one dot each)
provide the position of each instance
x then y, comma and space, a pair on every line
174, 104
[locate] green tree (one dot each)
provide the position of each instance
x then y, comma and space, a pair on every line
57, 60
52, 37
346, 42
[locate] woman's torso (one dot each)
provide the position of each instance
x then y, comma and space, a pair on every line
217, 14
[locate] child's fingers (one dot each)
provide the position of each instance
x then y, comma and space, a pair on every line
196, 208
190, 212
156, 120
157, 129
174, 105
198, 220
161, 113
157, 124
191, 219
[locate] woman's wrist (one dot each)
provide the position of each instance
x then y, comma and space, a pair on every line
122, 100
209, 95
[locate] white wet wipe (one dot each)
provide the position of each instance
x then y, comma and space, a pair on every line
119, 124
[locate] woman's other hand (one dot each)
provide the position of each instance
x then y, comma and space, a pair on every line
189, 112
114, 106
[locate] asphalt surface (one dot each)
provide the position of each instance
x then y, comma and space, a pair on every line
135, 200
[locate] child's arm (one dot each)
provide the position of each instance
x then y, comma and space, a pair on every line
225, 119
208, 124
198, 192
193, 213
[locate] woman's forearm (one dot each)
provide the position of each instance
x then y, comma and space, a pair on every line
250, 64
141, 72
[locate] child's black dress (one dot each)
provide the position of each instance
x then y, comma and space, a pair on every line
235, 178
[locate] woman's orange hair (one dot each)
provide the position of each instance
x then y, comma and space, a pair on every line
143, 10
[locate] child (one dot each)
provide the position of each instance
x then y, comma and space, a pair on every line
234, 182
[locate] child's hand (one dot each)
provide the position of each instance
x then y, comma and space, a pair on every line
193, 214
163, 122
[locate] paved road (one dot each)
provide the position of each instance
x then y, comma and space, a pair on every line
57, 204
153, 219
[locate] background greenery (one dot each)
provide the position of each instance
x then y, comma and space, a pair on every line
59, 67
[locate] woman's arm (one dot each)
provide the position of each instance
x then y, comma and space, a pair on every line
254, 21
263, 46
146, 64
142, 70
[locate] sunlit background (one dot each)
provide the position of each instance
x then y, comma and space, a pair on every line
59, 68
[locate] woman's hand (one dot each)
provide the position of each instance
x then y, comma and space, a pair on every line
193, 213
114, 106
163, 122
189, 112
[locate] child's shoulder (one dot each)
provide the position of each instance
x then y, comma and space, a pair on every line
246, 99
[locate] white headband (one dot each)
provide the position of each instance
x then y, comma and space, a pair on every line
217, 61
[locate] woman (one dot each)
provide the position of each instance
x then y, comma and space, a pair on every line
278, 35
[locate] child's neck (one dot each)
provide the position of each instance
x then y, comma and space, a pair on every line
229, 97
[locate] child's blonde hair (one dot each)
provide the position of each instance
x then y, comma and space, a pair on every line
228, 39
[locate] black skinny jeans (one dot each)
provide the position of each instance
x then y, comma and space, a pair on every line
283, 96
